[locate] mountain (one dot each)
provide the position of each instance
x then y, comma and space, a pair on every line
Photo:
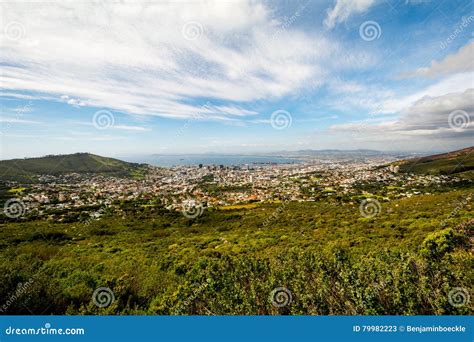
26, 169
340, 151
335, 153
459, 163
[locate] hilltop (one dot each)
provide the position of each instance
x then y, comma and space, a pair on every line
460, 162
26, 169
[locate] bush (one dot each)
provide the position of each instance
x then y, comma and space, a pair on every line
437, 244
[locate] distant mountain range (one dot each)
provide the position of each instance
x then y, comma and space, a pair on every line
460, 162
342, 153
25, 169
307, 152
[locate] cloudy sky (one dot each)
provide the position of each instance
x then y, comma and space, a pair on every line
122, 78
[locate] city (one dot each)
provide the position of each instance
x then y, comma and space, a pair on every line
54, 197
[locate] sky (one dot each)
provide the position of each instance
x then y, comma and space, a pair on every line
123, 78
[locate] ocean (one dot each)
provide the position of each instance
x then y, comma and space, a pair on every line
211, 159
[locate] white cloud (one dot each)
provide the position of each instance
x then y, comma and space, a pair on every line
459, 62
138, 58
72, 102
343, 86
455, 83
348, 95
431, 114
8, 120
343, 9
16, 115
433, 121
114, 126
130, 128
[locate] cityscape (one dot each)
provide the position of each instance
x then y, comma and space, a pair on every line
207, 186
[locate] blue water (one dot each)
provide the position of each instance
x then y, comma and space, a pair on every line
227, 160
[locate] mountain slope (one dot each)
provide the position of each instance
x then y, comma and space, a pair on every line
26, 169
459, 162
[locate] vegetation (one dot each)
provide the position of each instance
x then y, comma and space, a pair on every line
405, 260
460, 163
26, 170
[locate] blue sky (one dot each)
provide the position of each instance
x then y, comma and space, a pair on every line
235, 77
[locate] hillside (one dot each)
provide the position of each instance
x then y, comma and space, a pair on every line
26, 169
459, 163
404, 261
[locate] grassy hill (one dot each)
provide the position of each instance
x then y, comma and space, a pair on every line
405, 261
459, 163
27, 169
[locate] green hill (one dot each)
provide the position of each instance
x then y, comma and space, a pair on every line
333, 261
27, 169
460, 163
